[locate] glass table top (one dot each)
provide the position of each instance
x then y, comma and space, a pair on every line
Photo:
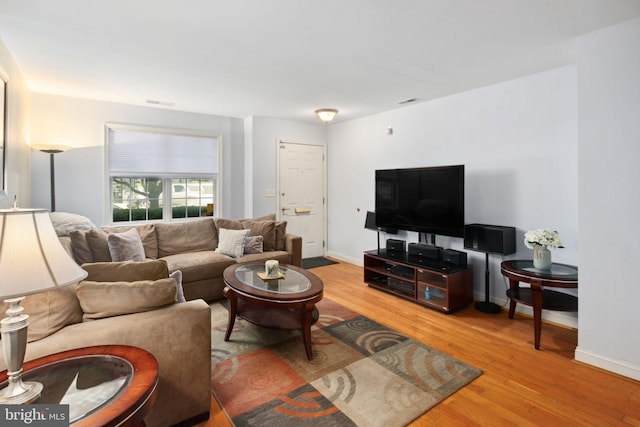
556, 269
292, 283
85, 383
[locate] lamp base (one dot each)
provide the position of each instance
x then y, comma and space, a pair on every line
18, 393
14, 347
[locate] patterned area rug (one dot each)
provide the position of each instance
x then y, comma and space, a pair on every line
362, 373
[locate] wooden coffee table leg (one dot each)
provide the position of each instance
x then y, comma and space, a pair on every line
233, 306
513, 284
536, 296
306, 313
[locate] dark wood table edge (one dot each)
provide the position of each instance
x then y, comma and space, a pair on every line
135, 401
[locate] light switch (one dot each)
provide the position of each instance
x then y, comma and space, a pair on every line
270, 192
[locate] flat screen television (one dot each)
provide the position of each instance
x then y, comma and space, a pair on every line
428, 199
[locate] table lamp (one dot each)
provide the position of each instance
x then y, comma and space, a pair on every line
32, 260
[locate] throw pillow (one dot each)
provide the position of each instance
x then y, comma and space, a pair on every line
281, 232
126, 271
177, 276
97, 240
264, 228
106, 299
64, 223
125, 246
253, 244
231, 242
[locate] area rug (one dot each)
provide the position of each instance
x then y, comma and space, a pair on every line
314, 262
362, 373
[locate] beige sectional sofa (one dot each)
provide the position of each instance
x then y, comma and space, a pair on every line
193, 248
132, 304
137, 303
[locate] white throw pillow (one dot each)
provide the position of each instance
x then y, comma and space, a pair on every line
177, 276
126, 246
231, 242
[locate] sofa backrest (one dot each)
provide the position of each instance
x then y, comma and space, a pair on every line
190, 236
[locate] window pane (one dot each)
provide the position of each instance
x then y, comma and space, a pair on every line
136, 198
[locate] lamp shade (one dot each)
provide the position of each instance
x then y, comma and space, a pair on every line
32, 259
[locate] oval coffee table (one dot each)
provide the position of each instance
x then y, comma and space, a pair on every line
286, 304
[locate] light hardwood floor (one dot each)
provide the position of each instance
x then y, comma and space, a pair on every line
520, 386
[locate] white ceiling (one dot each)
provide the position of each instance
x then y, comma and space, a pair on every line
285, 58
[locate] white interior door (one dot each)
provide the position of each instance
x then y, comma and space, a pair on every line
301, 194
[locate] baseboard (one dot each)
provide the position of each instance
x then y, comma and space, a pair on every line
356, 261
617, 366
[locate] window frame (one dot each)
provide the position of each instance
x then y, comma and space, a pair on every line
167, 204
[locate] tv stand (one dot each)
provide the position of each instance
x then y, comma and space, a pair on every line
435, 284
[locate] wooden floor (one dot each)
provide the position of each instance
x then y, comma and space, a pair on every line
520, 386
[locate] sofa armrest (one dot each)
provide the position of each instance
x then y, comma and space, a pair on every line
179, 336
293, 245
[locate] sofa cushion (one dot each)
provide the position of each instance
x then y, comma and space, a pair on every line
283, 257
80, 246
106, 299
253, 244
50, 311
231, 242
126, 271
281, 230
97, 240
125, 246
197, 266
264, 228
183, 237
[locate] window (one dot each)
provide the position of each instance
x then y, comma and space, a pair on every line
160, 174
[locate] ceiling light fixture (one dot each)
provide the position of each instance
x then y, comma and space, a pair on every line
326, 114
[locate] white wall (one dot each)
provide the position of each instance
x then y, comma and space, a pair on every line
518, 142
18, 120
261, 172
609, 186
80, 172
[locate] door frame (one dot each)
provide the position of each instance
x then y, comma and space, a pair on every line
324, 186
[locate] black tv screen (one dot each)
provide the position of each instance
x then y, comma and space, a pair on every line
429, 199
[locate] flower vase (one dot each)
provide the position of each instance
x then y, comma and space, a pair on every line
541, 257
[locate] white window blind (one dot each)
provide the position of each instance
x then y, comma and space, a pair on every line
136, 153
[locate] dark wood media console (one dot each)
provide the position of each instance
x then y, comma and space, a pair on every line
435, 284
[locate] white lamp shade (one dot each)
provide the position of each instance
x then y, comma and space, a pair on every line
32, 259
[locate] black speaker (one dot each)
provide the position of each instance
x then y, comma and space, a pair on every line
452, 256
422, 250
370, 224
494, 239
395, 245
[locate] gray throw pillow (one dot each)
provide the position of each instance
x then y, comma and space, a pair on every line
253, 244
126, 246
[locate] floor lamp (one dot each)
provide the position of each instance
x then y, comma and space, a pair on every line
52, 150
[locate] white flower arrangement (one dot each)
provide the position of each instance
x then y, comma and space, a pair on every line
542, 237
